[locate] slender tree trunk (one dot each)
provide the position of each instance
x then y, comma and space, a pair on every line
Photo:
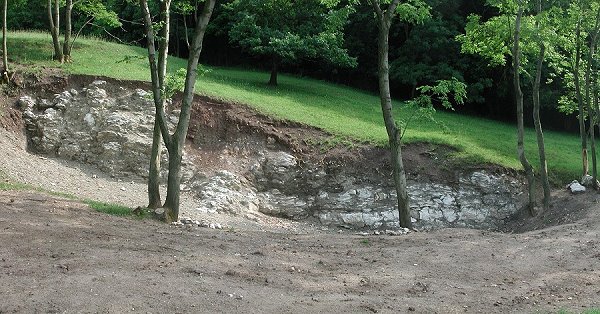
588, 100
187, 36
595, 101
394, 132
177, 144
274, 69
154, 199
68, 31
576, 77
538, 129
160, 125
5, 69
536, 116
520, 125
54, 21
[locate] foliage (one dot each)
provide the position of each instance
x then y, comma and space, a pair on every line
290, 30
98, 10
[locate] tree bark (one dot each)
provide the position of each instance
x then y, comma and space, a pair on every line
176, 146
516, 51
160, 127
5, 68
68, 31
154, 199
274, 70
54, 23
576, 79
536, 116
538, 129
588, 100
394, 132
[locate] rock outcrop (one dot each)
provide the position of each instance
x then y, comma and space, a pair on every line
103, 125
111, 127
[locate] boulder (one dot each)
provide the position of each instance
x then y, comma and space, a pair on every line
575, 187
588, 181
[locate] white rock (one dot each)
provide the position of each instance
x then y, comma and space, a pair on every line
575, 187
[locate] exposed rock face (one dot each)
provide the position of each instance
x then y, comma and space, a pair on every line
111, 127
339, 197
112, 130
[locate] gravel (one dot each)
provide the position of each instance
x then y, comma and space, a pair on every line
87, 182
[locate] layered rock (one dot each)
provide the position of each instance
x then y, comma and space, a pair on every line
340, 197
111, 127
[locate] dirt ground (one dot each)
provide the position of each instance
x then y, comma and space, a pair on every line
59, 256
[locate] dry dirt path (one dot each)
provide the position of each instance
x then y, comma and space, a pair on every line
59, 256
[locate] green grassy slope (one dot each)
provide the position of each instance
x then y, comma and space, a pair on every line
342, 111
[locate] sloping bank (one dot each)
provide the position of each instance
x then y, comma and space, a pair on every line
238, 161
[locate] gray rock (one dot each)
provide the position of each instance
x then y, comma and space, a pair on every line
108, 127
575, 187
588, 181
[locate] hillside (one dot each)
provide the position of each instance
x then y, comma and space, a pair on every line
346, 113
59, 255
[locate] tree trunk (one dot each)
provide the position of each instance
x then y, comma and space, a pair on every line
68, 30
154, 199
582, 133
520, 125
596, 107
393, 131
588, 100
274, 69
160, 127
54, 21
178, 141
538, 129
5, 69
536, 116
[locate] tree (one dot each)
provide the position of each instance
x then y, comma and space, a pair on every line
286, 31
54, 24
93, 9
592, 112
174, 142
516, 56
536, 107
411, 12
496, 39
574, 23
5, 68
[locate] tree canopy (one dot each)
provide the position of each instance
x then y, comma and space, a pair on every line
286, 31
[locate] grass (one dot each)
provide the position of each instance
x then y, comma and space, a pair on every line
344, 112
590, 311
112, 209
107, 208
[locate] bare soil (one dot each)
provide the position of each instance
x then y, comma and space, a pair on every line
59, 256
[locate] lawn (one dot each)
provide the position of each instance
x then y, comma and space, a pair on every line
344, 112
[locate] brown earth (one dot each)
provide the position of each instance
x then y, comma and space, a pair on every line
57, 255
